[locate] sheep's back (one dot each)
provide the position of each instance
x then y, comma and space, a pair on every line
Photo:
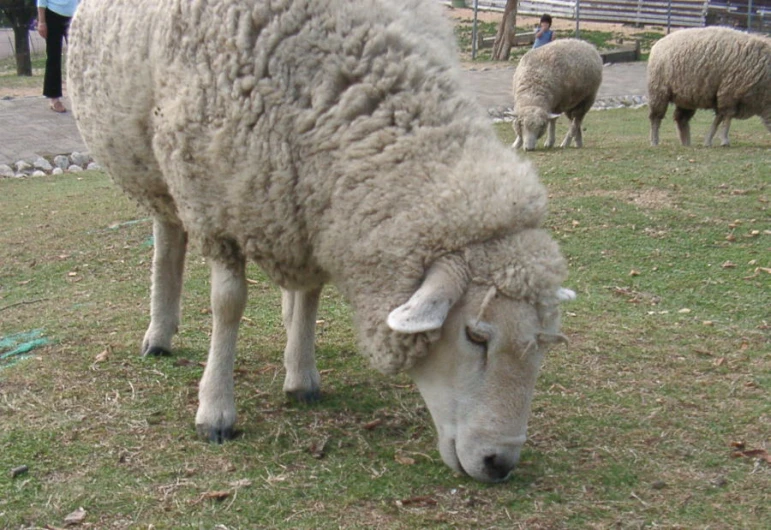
709, 67
284, 126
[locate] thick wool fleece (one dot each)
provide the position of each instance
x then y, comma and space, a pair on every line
327, 140
712, 68
558, 77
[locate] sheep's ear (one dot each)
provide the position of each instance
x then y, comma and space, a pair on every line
444, 284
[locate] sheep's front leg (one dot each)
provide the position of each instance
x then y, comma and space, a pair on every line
573, 131
299, 308
170, 242
217, 408
712, 130
550, 133
517, 126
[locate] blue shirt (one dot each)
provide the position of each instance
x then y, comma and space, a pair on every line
65, 8
545, 38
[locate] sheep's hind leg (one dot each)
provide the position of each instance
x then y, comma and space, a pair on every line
658, 110
682, 119
724, 141
170, 242
299, 308
712, 129
216, 414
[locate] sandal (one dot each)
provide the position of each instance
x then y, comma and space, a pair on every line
57, 106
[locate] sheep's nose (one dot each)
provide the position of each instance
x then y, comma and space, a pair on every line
499, 466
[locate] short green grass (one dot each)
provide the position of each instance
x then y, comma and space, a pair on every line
11, 83
632, 424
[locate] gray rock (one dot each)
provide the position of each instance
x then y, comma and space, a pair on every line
74, 168
6, 171
61, 161
42, 163
80, 159
57, 171
20, 175
22, 166
93, 166
38, 173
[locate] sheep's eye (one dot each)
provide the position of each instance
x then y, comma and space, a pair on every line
476, 337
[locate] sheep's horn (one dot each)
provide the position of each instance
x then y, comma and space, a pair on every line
444, 284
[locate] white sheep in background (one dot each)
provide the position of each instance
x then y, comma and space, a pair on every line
329, 141
722, 69
561, 77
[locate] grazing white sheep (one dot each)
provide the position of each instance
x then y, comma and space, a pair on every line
722, 69
329, 141
561, 77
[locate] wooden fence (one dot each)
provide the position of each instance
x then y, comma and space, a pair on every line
754, 14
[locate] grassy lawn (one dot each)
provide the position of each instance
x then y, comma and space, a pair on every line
12, 85
637, 424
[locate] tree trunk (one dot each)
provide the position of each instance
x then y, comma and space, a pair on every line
23, 56
504, 40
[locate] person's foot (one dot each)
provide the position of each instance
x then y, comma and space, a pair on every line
57, 106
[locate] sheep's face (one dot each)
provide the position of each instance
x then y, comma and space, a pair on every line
530, 125
478, 377
478, 382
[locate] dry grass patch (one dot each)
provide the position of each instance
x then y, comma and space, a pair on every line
636, 424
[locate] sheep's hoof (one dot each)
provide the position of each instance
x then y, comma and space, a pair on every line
305, 396
215, 435
156, 351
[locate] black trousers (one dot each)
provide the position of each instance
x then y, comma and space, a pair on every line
57, 33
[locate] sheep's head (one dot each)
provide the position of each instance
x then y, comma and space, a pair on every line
497, 309
530, 124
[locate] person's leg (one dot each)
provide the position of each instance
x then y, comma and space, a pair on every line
52, 83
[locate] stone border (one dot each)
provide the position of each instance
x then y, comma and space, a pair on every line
40, 167
77, 162
506, 114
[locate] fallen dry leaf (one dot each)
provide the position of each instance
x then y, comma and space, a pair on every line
216, 495
720, 361
404, 460
422, 500
317, 449
728, 265
372, 424
634, 272
737, 444
760, 454
76, 517
242, 483
103, 356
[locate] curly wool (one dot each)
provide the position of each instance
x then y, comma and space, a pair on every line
326, 140
558, 77
712, 68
